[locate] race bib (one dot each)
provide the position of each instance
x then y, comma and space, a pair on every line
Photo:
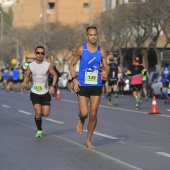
91, 78
38, 87
113, 74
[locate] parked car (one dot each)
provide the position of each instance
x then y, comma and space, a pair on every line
63, 80
157, 88
153, 76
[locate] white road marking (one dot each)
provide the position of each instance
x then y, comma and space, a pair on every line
164, 154
128, 110
108, 107
163, 115
6, 106
52, 120
168, 110
22, 111
103, 135
70, 101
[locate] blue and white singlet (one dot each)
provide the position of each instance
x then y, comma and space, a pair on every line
89, 70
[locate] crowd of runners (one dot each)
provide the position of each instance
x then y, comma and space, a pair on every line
11, 78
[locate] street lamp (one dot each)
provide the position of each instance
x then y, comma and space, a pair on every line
1, 25
91, 12
45, 19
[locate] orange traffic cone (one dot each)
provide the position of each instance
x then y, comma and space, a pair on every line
58, 94
154, 108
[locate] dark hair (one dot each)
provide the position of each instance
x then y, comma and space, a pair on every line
91, 27
39, 47
111, 59
116, 53
166, 64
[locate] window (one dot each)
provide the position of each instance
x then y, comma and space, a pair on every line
51, 7
85, 5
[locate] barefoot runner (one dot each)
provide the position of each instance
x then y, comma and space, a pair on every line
89, 84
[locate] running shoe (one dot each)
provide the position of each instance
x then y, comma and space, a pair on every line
109, 103
137, 106
140, 100
137, 103
38, 134
116, 101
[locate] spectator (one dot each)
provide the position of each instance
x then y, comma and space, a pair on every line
104, 80
165, 73
5, 77
50, 80
70, 82
120, 84
15, 78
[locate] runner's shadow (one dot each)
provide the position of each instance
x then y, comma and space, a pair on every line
59, 132
98, 141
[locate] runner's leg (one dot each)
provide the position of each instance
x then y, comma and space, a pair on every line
94, 104
83, 114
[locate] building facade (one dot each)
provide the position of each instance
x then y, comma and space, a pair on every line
27, 13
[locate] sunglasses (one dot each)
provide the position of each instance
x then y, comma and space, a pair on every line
42, 53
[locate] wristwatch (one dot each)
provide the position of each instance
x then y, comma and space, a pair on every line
53, 86
73, 78
23, 84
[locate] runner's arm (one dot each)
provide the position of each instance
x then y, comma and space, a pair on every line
53, 86
104, 61
52, 72
75, 60
26, 78
160, 73
119, 70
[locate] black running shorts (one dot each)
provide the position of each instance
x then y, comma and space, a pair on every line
137, 87
43, 99
90, 91
113, 83
165, 84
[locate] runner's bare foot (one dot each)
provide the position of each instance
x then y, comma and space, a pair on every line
80, 126
89, 145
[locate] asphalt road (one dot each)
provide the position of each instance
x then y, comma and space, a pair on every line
125, 138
